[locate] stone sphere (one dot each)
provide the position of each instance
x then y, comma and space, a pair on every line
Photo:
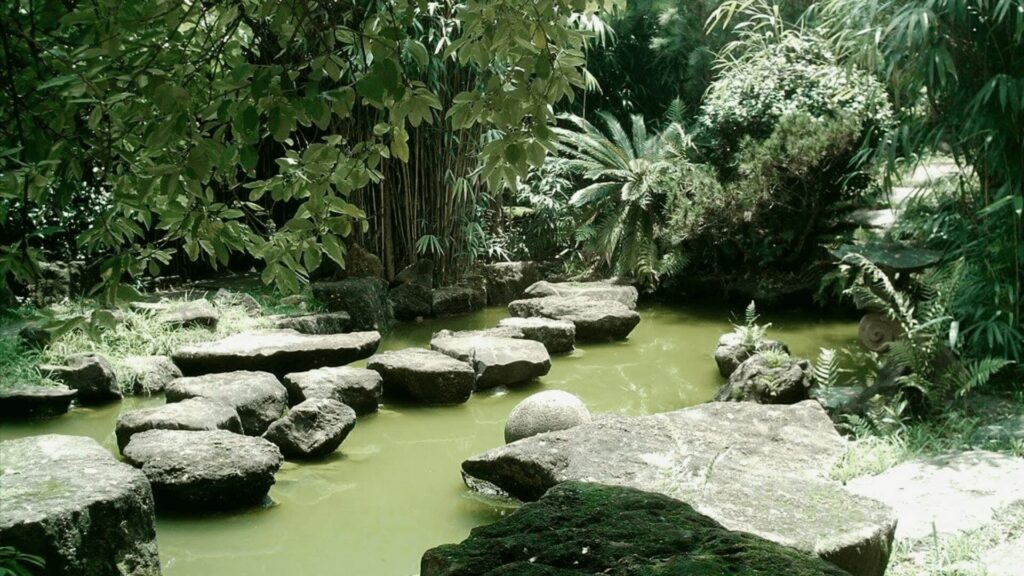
546, 411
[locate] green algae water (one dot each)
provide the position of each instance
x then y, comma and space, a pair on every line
394, 488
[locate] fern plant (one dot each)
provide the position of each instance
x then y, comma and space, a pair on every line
752, 335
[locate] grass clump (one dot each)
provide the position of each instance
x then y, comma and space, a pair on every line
18, 364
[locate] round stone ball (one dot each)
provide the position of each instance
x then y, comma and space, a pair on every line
546, 411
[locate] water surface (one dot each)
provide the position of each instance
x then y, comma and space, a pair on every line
393, 489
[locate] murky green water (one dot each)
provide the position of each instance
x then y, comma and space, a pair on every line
393, 489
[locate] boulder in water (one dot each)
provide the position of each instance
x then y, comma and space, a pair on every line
411, 301
358, 388
190, 414
35, 401
558, 336
312, 429
769, 378
497, 361
506, 281
600, 290
424, 375
731, 351
365, 299
258, 397
545, 411
454, 300
90, 374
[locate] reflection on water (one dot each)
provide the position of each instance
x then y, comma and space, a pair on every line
394, 489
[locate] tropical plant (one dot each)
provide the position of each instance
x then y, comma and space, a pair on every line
15, 563
752, 335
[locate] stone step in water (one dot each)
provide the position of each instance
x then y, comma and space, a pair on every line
258, 397
497, 361
599, 290
424, 375
359, 388
190, 414
595, 320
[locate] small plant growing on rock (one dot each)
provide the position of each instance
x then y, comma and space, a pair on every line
752, 335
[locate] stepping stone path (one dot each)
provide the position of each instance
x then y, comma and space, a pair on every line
258, 397
325, 323
66, 499
753, 468
312, 429
731, 351
35, 401
595, 320
424, 375
149, 374
204, 470
579, 528
949, 493
90, 374
276, 351
497, 361
190, 414
359, 388
600, 290
558, 336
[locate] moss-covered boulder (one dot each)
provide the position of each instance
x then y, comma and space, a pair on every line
581, 528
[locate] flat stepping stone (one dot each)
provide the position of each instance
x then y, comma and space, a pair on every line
424, 375
1006, 559
324, 323
600, 290
595, 320
760, 469
948, 493
497, 361
276, 351
258, 397
204, 470
312, 429
359, 388
66, 499
35, 401
90, 374
558, 336
149, 374
186, 314
578, 528
190, 414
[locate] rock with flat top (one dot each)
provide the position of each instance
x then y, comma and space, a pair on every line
148, 374
760, 469
187, 314
358, 388
600, 290
35, 401
595, 320
279, 352
558, 336
190, 414
258, 397
90, 374
424, 375
497, 361
312, 429
67, 500
322, 323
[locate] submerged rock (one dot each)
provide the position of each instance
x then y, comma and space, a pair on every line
365, 300
595, 320
754, 468
258, 397
506, 281
497, 361
90, 374
276, 351
149, 374
35, 401
312, 429
66, 499
558, 336
579, 528
190, 414
204, 470
359, 388
424, 375
323, 323
731, 351
600, 290
769, 379
545, 411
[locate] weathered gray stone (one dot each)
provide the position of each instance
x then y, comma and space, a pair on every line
359, 388
258, 397
948, 493
66, 499
228, 298
558, 336
1005, 560
453, 300
365, 300
771, 378
578, 529
497, 361
204, 470
90, 374
601, 290
35, 401
189, 414
754, 468
276, 351
506, 281
191, 313
323, 323
312, 429
360, 263
411, 301
731, 351
546, 411
595, 320
424, 375
148, 374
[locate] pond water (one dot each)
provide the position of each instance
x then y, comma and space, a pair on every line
394, 490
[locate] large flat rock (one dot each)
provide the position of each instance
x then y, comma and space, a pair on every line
424, 375
66, 499
276, 351
190, 414
753, 468
258, 397
948, 493
595, 320
558, 336
579, 528
35, 401
204, 470
497, 361
359, 388
600, 290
